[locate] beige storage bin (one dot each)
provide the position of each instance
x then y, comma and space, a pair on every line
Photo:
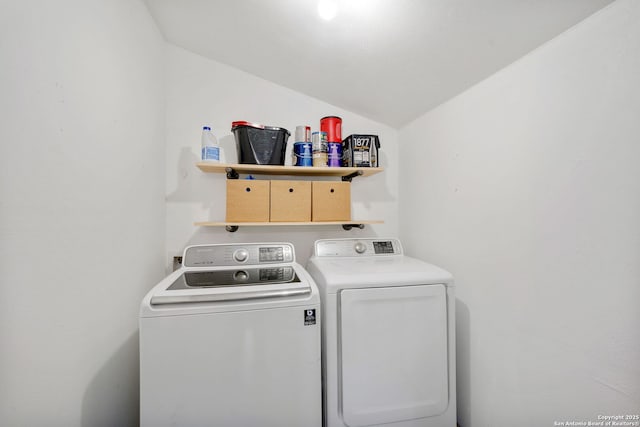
247, 200
290, 201
330, 201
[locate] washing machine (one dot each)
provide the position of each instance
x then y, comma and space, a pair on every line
232, 338
388, 335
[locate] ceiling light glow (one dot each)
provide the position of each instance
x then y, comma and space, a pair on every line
327, 9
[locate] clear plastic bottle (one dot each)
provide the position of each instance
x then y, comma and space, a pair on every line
210, 146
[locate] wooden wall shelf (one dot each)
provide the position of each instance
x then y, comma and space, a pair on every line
212, 167
233, 226
233, 170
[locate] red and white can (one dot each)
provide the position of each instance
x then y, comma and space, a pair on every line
332, 125
303, 134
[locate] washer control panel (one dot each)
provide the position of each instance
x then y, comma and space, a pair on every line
238, 254
357, 247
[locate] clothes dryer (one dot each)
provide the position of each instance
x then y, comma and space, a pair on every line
388, 335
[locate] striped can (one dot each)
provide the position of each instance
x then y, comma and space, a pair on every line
319, 145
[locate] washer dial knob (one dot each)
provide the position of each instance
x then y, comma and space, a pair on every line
240, 276
360, 247
241, 255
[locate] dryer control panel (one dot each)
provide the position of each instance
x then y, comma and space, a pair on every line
238, 254
357, 247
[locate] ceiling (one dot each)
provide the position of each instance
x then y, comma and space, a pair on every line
389, 60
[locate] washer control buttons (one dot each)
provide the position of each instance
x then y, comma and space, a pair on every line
288, 256
241, 255
360, 247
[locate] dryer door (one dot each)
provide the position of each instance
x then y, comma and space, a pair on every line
393, 354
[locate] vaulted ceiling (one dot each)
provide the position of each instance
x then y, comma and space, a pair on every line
389, 60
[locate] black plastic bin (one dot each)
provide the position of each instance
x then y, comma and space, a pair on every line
258, 144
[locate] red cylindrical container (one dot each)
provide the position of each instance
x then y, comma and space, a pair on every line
332, 125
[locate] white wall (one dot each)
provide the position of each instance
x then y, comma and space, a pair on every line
527, 188
204, 92
81, 207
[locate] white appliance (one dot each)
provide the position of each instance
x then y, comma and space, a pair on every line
232, 338
388, 334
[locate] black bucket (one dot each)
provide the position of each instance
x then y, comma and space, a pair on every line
260, 145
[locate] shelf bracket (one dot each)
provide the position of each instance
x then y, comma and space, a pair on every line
231, 228
350, 226
232, 174
349, 177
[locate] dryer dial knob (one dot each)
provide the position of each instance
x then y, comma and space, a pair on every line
360, 247
241, 255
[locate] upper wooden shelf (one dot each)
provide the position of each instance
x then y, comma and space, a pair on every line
285, 170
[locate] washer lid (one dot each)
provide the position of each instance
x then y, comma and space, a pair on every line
232, 284
235, 278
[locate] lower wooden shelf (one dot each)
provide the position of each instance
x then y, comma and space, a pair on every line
233, 226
